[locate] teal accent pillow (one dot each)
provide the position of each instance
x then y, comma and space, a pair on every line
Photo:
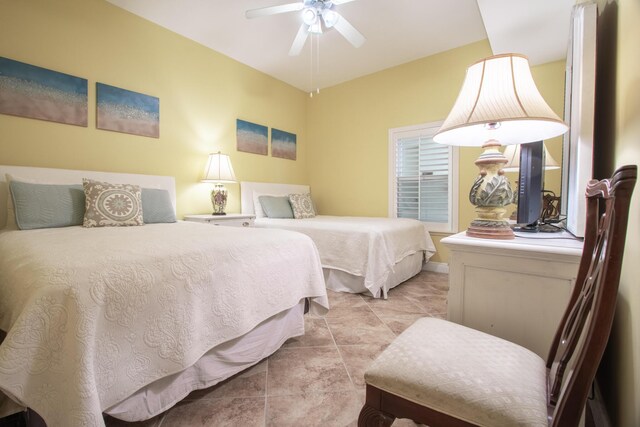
156, 206
276, 207
47, 205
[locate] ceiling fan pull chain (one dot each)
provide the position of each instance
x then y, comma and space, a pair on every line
317, 63
311, 67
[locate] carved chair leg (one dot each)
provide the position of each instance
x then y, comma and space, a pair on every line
372, 417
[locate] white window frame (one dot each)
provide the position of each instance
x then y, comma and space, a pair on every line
428, 130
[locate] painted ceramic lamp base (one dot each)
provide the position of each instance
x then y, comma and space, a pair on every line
219, 199
490, 194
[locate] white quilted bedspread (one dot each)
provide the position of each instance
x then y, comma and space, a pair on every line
95, 314
362, 246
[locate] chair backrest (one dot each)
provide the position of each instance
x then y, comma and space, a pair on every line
582, 336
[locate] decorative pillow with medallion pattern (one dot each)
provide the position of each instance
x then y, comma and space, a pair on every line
111, 205
302, 205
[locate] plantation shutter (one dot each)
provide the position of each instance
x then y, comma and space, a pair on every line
422, 179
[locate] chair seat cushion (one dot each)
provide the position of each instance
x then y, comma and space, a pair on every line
464, 373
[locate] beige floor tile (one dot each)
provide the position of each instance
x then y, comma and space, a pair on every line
295, 371
357, 358
314, 409
394, 305
430, 304
419, 289
316, 334
431, 276
441, 315
440, 288
226, 412
346, 311
114, 422
398, 323
362, 329
344, 299
249, 383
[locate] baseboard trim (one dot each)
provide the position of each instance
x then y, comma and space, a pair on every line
436, 267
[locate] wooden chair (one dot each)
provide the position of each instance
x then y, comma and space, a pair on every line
440, 373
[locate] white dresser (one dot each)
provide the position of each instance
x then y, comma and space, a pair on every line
228, 220
514, 289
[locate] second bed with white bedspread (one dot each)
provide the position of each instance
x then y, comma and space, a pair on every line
358, 254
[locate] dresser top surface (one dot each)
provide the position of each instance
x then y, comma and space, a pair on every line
551, 243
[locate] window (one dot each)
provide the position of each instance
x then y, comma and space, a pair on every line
423, 177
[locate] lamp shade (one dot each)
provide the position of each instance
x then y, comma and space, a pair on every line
512, 153
219, 169
499, 101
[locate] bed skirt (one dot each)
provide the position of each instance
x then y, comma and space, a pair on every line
341, 281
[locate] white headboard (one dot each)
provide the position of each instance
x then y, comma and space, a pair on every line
66, 176
248, 188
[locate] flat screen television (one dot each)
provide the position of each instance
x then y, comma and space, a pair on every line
530, 186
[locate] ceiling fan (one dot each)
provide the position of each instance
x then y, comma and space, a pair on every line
316, 14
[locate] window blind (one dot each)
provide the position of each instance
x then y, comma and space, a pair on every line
422, 179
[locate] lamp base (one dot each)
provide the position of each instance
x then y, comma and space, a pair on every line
490, 230
219, 199
490, 194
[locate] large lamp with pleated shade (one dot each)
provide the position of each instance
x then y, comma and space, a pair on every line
219, 171
499, 104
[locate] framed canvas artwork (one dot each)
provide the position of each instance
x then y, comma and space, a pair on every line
38, 93
283, 144
251, 137
122, 110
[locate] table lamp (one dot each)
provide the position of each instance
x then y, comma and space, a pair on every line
219, 171
499, 104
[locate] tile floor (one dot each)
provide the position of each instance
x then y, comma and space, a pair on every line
315, 379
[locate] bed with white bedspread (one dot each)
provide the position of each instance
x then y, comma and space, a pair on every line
129, 320
358, 254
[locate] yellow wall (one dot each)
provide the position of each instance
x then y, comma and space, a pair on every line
201, 94
621, 366
349, 124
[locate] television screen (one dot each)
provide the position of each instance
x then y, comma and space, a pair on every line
530, 184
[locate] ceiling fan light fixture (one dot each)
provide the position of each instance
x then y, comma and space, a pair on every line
330, 17
316, 28
309, 16
316, 14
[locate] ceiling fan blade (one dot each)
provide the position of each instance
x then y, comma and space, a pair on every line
349, 32
341, 1
274, 10
298, 42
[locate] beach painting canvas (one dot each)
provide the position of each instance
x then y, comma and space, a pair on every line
38, 93
252, 138
122, 110
283, 144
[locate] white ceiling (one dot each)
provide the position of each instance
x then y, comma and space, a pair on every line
397, 31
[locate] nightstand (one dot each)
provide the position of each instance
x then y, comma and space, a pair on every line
228, 220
